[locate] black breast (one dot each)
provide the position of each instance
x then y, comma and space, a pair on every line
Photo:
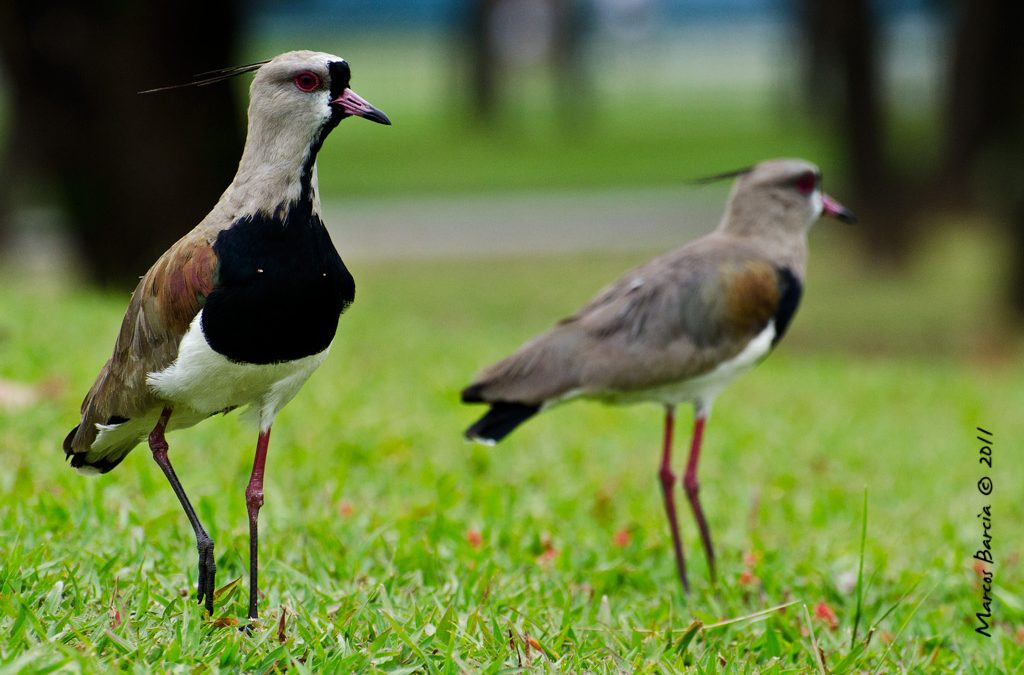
279, 291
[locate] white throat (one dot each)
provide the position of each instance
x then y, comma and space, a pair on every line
818, 203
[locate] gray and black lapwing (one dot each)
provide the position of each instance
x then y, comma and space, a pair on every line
242, 309
676, 329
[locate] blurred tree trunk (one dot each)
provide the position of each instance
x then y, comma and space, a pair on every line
984, 149
1016, 287
986, 88
132, 173
483, 58
568, 60
6, 189
489, 24
841, 38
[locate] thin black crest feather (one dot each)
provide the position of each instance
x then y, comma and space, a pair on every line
706, 180
211, 76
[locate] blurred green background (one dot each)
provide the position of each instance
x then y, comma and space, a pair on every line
913, 109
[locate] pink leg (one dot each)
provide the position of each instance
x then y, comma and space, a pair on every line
253, 502
692, 486
668, 481
207, 564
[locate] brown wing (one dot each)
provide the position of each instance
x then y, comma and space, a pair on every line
674, 318
163, 305
697, 315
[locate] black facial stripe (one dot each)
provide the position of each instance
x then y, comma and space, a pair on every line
305, 203
340, 75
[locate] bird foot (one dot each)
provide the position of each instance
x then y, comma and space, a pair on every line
207, 575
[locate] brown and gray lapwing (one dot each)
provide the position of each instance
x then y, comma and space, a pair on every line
676, 329
242, 309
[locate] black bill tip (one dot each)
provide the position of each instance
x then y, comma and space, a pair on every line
847, 216
377, 116
831, 207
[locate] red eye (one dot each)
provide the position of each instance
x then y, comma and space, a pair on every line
807, 182
307, 81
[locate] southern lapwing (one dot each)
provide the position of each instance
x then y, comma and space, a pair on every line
242, 309
676, 329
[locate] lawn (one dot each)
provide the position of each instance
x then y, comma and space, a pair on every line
390, 545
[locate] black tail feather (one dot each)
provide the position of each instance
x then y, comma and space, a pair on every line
68, 452
101, 465
474, 393
98, 464
500, 420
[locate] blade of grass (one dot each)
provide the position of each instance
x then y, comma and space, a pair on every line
407, 639
814, 643
747, 617
902, 628
687, 638
755, 615
860, 570
893, 606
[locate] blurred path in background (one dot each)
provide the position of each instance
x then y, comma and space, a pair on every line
479, 225
522, 223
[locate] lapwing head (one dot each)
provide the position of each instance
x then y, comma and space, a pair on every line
307, 93
784, 194
295, 100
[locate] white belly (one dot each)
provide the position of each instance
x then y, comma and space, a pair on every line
703, 388
207, 382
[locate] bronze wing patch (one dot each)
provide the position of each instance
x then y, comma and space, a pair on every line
162, 307
751, 297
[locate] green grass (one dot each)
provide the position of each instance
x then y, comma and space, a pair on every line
371, 495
